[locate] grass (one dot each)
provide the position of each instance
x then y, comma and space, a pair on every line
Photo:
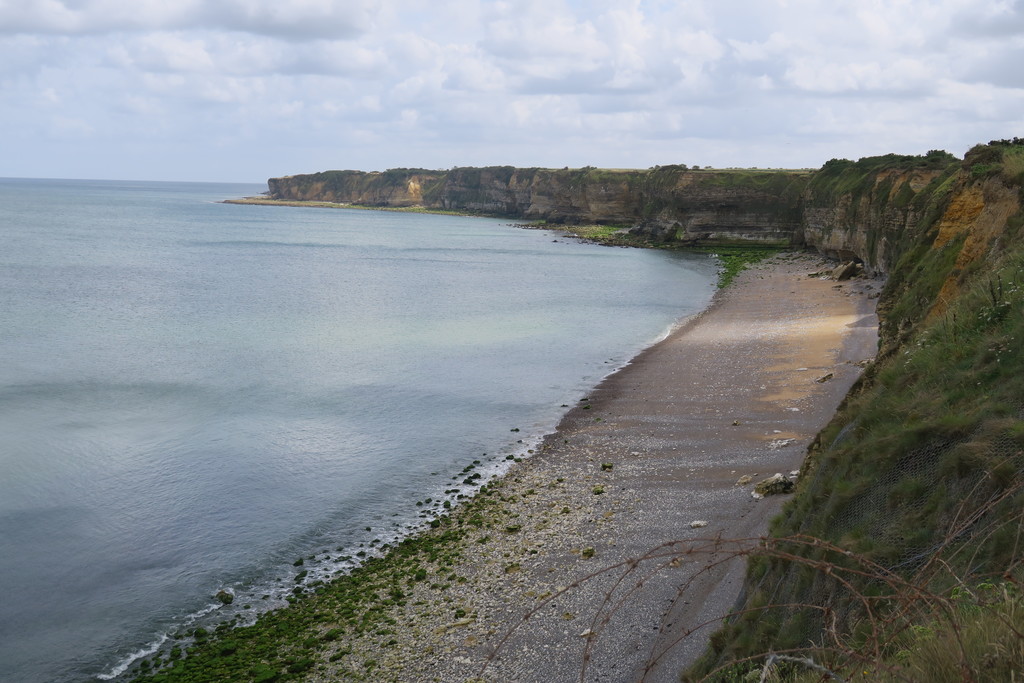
1013, 165
947, 391
980, 639
975, 634
844, 177
612, 235
735, 259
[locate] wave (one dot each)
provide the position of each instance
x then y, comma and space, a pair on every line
125, 663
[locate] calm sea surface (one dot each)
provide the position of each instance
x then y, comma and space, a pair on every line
195, 394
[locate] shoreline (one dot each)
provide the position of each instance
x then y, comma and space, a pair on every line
532, 578
573, 516
659, 445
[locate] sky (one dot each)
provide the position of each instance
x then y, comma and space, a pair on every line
243, 90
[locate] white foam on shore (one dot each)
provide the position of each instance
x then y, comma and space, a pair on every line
153, 647
123, 665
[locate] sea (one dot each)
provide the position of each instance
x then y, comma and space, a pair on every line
194, 394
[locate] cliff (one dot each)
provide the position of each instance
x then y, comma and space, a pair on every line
847, 210
398, 187
666, 204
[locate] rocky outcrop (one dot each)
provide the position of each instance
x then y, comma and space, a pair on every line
775, 485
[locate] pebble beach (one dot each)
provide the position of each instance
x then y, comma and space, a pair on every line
609, 555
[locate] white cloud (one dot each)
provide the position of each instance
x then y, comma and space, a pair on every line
172, 53
63, 127
295, 19
1001, 19
467, 69
557, 82
37, 16
141, 106
541, 38
870, 76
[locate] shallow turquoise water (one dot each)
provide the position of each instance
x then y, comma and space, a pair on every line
194, 394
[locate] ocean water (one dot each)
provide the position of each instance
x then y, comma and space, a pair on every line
194, 394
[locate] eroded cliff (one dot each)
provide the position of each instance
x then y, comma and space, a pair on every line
398, 187
848, 210
666, 204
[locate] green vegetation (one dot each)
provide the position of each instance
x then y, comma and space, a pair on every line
410, 209
735, 259
915, 490
604, 234
785, 185
967, 634
856, 178
978, 638
289, 644
608, 235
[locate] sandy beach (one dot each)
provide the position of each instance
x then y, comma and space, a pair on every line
560, 583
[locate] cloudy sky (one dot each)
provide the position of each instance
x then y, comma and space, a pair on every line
240, 90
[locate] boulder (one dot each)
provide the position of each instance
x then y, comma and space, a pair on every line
774, 485
226, 597
845, 271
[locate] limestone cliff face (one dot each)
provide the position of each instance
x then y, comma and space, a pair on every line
866, 210
397, 187
670, 203
865, 225
887, 210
